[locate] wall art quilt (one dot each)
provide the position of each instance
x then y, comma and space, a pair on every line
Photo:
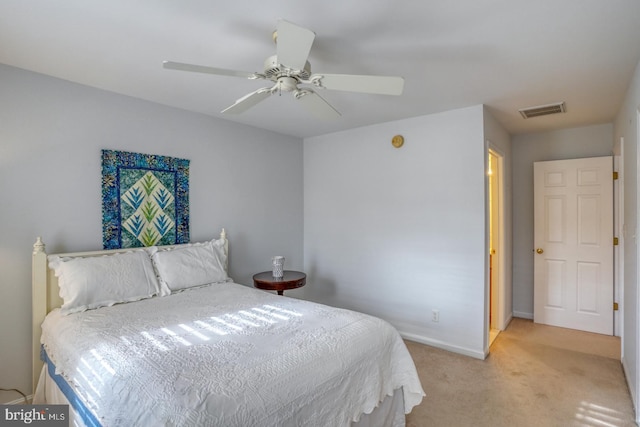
145, 200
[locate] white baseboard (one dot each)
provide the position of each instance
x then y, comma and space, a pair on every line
634, 398
20, 401
507, 321
523, 315
443, 345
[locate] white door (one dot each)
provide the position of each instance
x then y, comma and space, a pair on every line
573, 238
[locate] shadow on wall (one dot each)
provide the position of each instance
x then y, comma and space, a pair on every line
319, 288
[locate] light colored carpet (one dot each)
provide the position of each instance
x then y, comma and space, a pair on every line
535, 375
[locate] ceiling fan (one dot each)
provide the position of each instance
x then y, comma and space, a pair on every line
288, 69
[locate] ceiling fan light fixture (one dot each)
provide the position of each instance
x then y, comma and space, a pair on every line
543, 110
287, 84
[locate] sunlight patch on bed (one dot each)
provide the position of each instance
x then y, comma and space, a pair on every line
241, 320
103, 362
91, 370
86, 383
254, 318
257, 317
210, 328
590, 414
89, 398
268, 313
154, 341
176, 337
133, 347
227, 324
92, 374
194, 332
283, 310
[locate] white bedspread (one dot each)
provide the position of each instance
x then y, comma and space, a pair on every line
229, 355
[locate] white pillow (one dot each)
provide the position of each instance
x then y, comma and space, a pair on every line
92, 282
192, 265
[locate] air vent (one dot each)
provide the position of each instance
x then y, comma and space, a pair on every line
543, 110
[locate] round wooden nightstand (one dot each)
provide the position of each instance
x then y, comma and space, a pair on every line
290, 280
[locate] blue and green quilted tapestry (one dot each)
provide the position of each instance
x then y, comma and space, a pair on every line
145, 200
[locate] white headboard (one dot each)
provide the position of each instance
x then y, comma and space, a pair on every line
45, 293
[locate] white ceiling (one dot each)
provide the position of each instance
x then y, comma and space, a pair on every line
506, 54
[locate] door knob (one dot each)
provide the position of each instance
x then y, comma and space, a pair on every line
539, 251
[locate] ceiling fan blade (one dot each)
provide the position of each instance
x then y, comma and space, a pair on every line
382, 85
170, 65
316, 104
293, 44
248, 101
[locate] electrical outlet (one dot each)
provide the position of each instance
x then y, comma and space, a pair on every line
435, 315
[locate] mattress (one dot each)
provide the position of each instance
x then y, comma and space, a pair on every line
230, 355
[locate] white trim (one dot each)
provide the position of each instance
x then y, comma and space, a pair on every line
443, 345
20, 401
618, 194
523, 315
502, 259
636, 384
509, 319
486, 330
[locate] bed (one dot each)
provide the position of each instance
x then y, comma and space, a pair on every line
162, 336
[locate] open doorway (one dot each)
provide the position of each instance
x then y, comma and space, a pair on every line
496, 243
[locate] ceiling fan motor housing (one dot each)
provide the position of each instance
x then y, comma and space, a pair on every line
273, 70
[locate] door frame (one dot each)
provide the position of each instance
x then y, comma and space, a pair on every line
635, 286
618, 251
499, 308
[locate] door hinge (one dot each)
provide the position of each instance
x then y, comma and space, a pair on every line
615, 306
615, 175
615, 241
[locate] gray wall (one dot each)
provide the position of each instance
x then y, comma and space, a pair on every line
399, 232
588, 141
51, 134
